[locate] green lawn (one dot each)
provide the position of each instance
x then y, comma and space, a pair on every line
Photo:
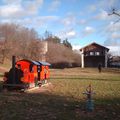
65, 100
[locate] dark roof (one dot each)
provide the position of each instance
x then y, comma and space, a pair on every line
94, 43
36, 62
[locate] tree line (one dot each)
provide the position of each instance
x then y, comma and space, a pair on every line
25, 43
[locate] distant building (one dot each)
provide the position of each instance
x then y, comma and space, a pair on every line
114, 61
93, 54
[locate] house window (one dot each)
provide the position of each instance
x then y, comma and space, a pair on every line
91, 53
97, 53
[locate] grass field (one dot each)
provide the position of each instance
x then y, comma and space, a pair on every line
65, 100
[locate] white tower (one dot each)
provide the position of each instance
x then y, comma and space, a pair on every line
44, 49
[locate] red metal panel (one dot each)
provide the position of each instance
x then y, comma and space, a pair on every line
29, 77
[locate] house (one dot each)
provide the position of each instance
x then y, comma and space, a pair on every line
93, 54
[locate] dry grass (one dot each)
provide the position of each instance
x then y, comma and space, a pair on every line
66, 101
76, 80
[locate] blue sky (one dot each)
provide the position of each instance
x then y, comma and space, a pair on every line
81, 21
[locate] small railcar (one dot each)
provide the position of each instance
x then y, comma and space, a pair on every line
27, 74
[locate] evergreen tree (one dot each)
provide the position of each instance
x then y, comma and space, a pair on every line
67, 43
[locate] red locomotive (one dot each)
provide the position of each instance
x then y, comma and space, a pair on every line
26, 74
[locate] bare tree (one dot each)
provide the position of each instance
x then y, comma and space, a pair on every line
114, 12
7, 32
15, 41
59, 54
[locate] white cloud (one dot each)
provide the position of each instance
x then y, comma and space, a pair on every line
69, 21
10, 10
68, 33
66, 21
47, 18
112, 42
113, 27
102, 4
32, 7
37, 22
5, 21
20, 8
114, 50
108, 4
76, 47
12, 1
44, 21
115, 35
102, 9
82, 21
71, 34
92, 8
54, 5
103, 15
87, 31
